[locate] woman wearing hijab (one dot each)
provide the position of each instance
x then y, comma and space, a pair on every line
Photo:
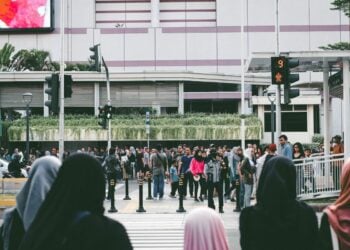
278, 221
204, 230
335, 223
18, 219
71, 217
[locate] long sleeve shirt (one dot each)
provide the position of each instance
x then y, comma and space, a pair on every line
196, 167
212, 170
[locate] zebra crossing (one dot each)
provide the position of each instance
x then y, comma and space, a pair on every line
154, 231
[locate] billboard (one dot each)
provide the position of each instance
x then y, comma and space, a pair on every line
26, 15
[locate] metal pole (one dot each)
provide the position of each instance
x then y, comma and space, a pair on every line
326, 108
242, 77
27, 133
61, 115
278, 89
346, 103
181, 191
272, 122
140, 181
111, 192
109, 143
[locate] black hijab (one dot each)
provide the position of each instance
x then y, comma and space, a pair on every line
79, 186
278, 221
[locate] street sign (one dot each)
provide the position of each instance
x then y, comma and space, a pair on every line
147, 123
336, 79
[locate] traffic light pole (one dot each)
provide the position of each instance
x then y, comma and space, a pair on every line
109, 143
61, 95
278, 89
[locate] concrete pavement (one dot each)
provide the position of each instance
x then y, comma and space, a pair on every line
161, 227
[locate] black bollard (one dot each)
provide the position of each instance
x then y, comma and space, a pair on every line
111, 191
149, 182
127, 189
140, 180
181, 204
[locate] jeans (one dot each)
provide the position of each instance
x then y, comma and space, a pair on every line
158, 185
218, 187
248, 189
241, 194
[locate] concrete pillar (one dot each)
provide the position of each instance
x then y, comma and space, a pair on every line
310, 121
96, 97
346, 103
155, 13
181, 109
46, 98
326, 108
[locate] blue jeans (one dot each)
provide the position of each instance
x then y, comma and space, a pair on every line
158, 185
248, 189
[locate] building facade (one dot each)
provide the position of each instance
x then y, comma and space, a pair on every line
182, 39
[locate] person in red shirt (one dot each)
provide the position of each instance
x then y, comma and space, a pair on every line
197, 169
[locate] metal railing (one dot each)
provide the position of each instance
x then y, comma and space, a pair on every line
318, 176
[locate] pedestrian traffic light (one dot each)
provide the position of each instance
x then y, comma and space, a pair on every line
52, 90
68, 86
108, 111
290, 93
279, 70
102, 116
95, 59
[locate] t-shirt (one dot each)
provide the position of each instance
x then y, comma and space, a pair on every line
185, 163
173, 174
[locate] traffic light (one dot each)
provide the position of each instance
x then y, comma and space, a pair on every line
68, 86
108, 111
290, 93
281, 75
52, 90
95, 66
279, 70
103, 117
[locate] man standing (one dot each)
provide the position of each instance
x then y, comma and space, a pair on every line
159, 164
286, 149
112, 169
185, 169
212, 171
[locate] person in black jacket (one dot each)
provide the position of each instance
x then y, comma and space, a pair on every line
278, 221
71, 216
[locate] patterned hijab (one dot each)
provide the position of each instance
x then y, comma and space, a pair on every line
339, 212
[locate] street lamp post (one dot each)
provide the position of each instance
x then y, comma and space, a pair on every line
272, 100
27, 99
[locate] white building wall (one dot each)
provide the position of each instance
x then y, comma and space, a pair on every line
196, 43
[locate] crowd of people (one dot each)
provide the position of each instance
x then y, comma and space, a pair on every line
54, 211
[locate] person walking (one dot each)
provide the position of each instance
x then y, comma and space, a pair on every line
248, 170
197, 169
71, 216
159, 165
204, 230
335, 222
212, 170
278, 221
113, 171
17, 220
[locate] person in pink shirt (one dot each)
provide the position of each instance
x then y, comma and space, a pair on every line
204, 230
197, 169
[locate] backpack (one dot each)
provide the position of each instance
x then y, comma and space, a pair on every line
112, 165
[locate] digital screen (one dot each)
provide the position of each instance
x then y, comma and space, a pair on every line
25, 15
